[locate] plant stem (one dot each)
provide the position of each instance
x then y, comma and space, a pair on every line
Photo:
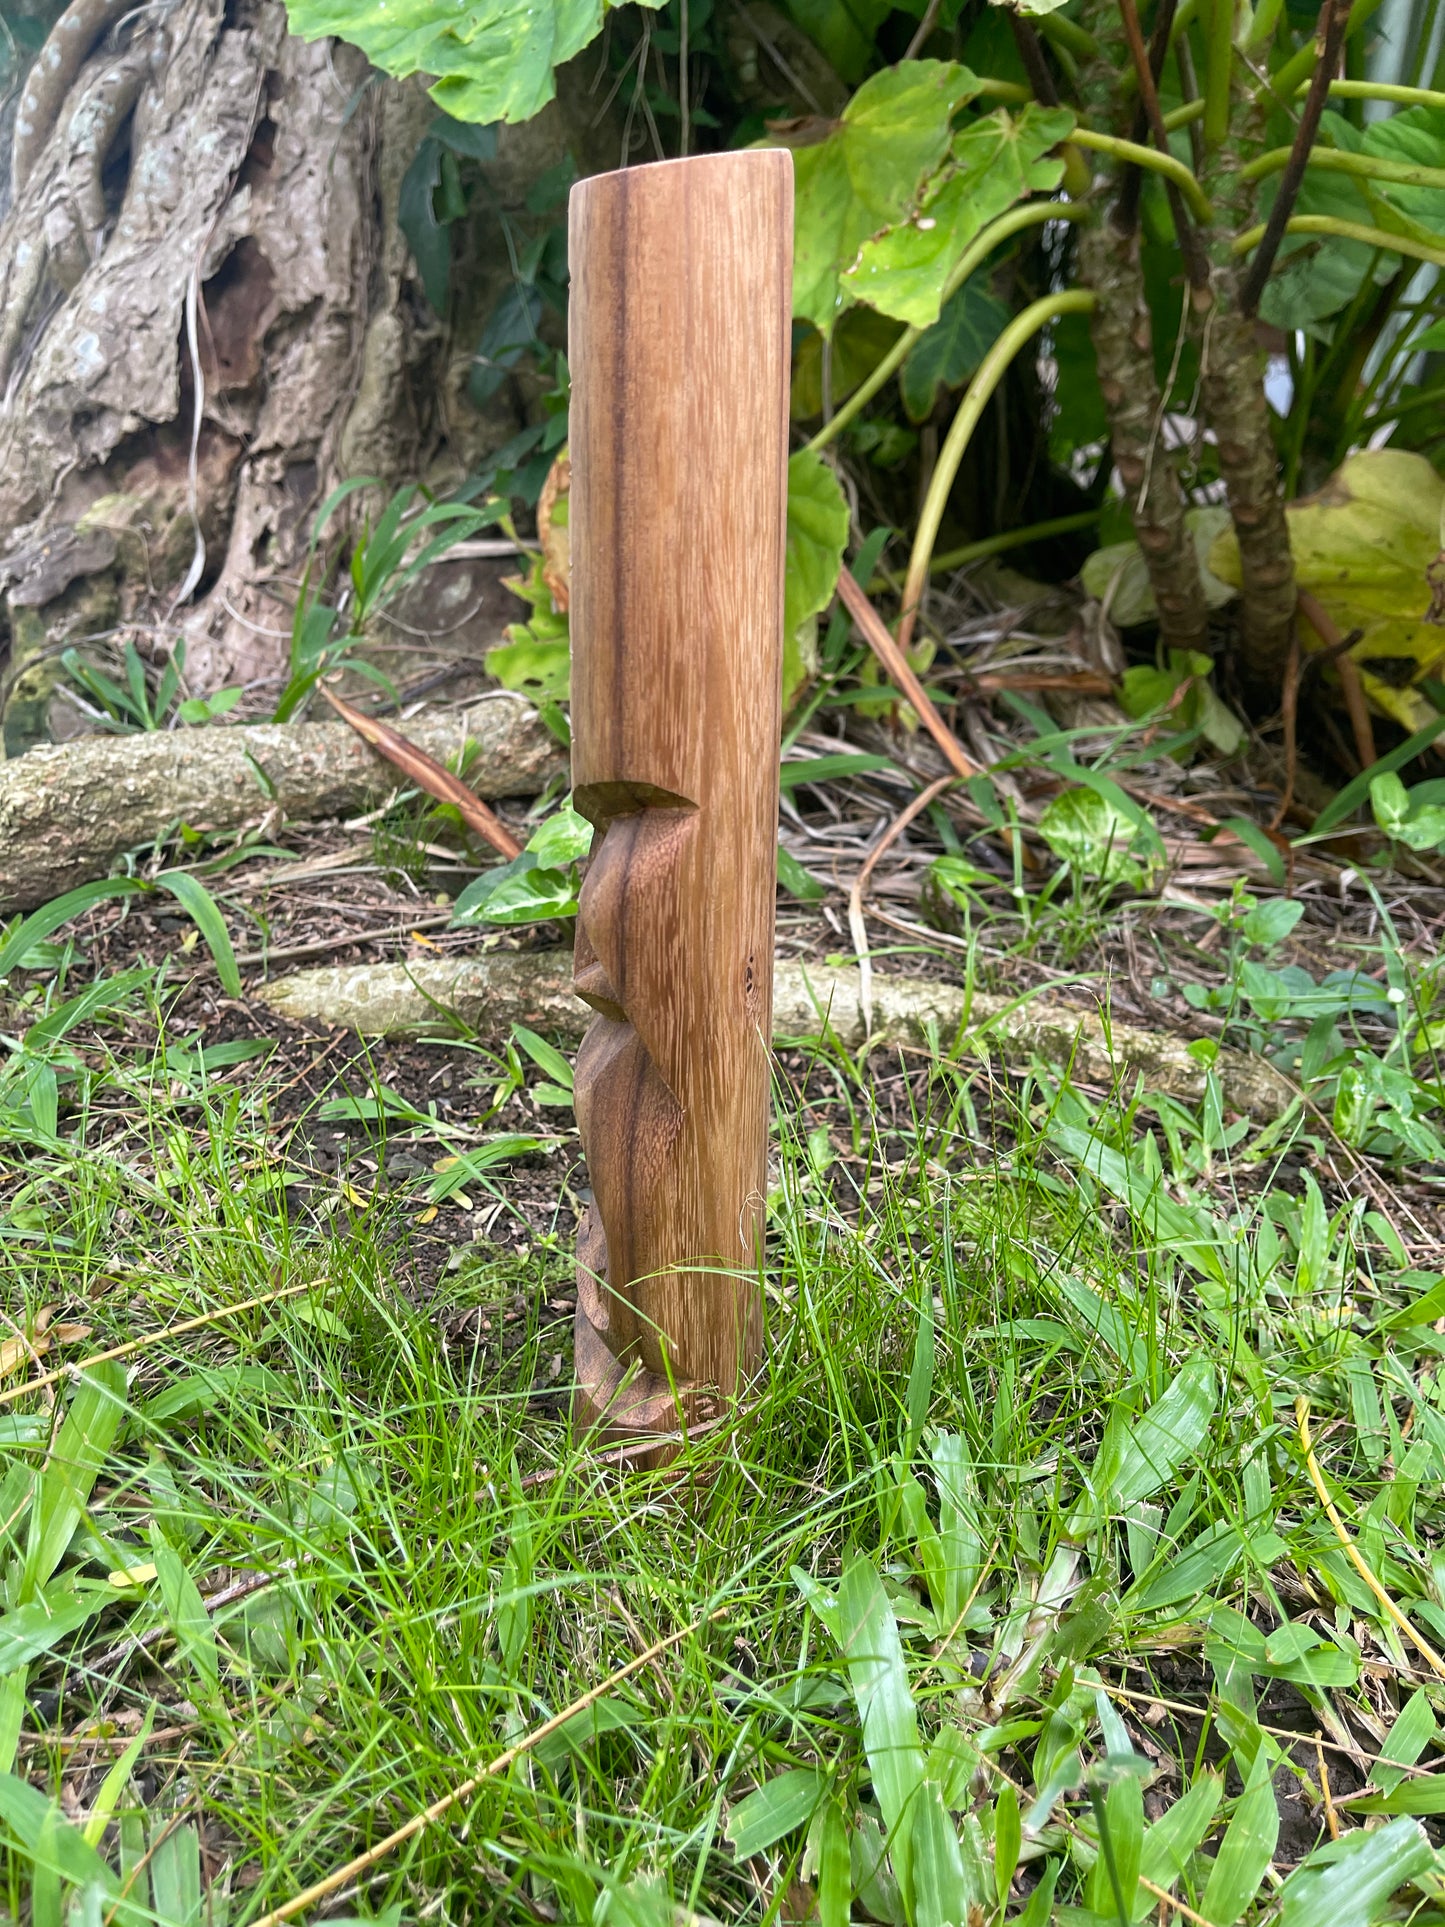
1218, 72
1331, 33
1166, 164
1030, 214
1012, 539
1338, 160
987, 377
1372, 237
1147, 63
1296, 71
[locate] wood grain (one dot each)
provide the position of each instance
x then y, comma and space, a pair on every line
679, 345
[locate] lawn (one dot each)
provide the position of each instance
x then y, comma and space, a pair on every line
1077, 1556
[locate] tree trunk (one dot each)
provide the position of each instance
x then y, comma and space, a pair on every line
208, 317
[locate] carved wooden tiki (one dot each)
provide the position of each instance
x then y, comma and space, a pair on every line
679, 339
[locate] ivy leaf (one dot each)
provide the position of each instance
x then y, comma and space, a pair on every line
948, 352
867, 173
489, 60
995, 161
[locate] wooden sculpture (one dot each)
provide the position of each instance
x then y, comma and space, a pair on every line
679, 342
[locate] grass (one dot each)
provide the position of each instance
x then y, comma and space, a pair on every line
1012, 1593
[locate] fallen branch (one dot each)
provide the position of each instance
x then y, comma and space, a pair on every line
488, 994
68, 810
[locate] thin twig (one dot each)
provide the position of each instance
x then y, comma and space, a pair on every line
1148, 62
891, 656
154, 1338
419, 1822
1352, 1552
925, 28
1031, 53
1289, 711
1330, 34
1347, 669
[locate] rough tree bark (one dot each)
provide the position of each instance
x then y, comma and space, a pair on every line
208, 316
1124, 349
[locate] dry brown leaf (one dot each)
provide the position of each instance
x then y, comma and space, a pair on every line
553, 532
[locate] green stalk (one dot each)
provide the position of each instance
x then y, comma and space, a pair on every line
1072, 38
1218, 72
990, 372
1030, 214
1193, 110
1338, 160
1296, 71
1010, 539
1372, 237
1138, 155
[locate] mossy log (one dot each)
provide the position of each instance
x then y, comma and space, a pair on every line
68, 810
487, 994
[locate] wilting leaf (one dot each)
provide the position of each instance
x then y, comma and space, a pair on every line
868, 173
994, 162
1368, 547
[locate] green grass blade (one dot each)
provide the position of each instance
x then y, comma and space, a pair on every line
97, 1408
201, 907
879, 1678
1246, 1849
41, 923
1349, 1888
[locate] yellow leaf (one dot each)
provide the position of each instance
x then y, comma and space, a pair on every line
133, 1575
353, 1196
1369, 546
461, 1201
425, 1217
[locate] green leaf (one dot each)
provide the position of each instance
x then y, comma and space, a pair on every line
40, 923
544, 1055
1177, 1833
1093, 836
522, 891
536, 668
1348, 1888
879, 1678
36, 1628
430, 241
565, 837
176, 1878
489, 60
995, 161
788, 1801
114, 1783
1412, 1732
96, 1410
827, 769
835, 1874
1007, 1842
1157, 1445
797, 881
946, 354
201, 1391
941, 1890
201, 907
50, 1840
817, 537
186, 1612
1246, 1849
867, 174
